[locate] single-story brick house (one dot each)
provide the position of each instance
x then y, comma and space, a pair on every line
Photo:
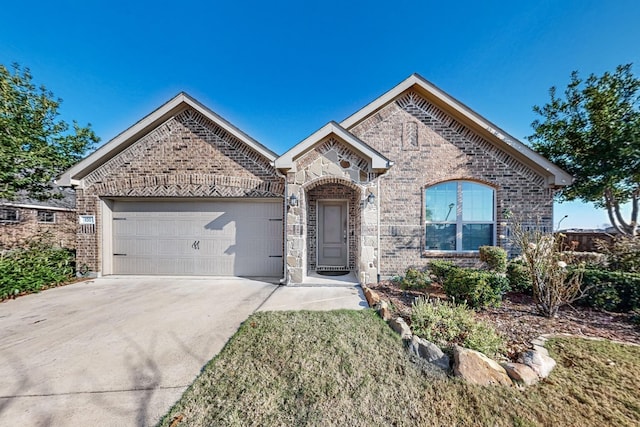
413, 176
25, 219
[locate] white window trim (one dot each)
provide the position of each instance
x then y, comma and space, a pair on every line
11, 221
46, 222
459, 222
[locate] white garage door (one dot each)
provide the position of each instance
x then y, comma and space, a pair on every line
226, 238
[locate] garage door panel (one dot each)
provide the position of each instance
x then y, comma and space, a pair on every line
201, 238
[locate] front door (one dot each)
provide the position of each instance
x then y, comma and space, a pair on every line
332, 233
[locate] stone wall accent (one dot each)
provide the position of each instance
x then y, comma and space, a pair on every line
332, 170
187, 156
61, 233
428, 146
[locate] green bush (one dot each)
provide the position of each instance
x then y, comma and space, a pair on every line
441, 269
478, 288
34, 268
446, 324
518, 276
611, 290
415, 279
494, 257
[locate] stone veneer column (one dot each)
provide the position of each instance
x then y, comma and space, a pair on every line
368, 256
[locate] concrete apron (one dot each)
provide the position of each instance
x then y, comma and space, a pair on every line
121, 350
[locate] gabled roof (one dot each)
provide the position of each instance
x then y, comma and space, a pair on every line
176, 105
378, 161
555, 175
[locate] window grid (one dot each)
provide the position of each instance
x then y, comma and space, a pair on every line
46, 217
9, 215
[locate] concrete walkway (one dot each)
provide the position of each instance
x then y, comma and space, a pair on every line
119, 351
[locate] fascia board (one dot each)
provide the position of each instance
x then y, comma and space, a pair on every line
378, 161
156, 118
37, 207
560, 177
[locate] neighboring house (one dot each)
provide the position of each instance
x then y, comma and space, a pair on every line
24, 220
413, 176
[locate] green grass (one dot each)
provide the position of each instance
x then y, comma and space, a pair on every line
349, 368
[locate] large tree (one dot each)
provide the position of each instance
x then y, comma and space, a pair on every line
35, 144
593, 132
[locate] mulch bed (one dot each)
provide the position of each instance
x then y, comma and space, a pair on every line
519, 322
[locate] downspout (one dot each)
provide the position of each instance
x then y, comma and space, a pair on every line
378, 215
285, 278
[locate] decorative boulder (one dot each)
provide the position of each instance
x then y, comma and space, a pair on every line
476, 368
372, 297
539, 361
400, 326
383, 310
521, 373
429, 352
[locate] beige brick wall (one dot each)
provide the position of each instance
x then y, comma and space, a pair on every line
61, 233
187, 156
429, 146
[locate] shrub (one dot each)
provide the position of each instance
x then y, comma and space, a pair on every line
518, 276
446, 324
34, 268
415, 279
553, 284
494, 257
477, 287
612, 290
589, 259
623, 253
441, 269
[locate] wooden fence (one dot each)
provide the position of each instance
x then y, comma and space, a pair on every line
584, 241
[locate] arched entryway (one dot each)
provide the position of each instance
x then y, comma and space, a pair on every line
333, 225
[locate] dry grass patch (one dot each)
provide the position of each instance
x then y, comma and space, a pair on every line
349, 368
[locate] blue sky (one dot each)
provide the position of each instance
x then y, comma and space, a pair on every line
281, 70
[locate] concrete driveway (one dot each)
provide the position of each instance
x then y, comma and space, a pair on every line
117, 350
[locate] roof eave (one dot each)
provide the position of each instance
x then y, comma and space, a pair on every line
172, 107
557, 176
286, 161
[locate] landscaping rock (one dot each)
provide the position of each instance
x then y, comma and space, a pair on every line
539, 361
400, 326
476, 368
383, 310
372, 297
429, 352
521, 373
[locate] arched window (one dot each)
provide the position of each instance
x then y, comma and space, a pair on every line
459, 216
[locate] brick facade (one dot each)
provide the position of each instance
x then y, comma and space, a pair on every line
187, 156
429, 146
380, 160
61, 232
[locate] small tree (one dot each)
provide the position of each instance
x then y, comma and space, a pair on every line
552, 282
594, 134
35, 145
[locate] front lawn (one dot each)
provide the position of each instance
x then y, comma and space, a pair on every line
349, 368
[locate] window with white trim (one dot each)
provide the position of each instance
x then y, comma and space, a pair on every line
47, 216
9, 215
459, 216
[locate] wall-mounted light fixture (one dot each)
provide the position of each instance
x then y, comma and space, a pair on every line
293, 200
371, 197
